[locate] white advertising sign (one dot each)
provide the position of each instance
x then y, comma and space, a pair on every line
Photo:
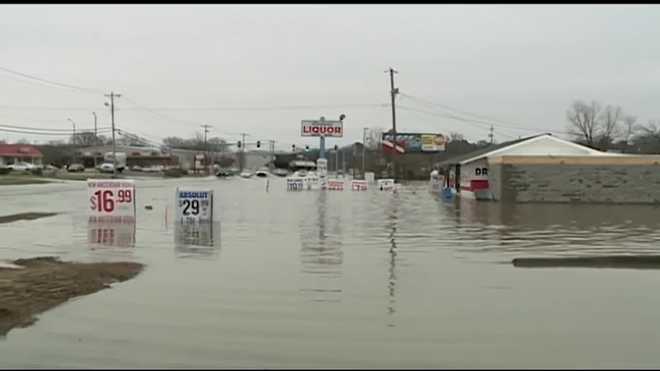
294, 184
335, 185
317, 128
194, 205
311, 182
111, 197
359, 185
386, 184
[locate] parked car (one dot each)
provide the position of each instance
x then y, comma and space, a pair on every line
136, 168
106, 167
153, 169
75, 168
21, 166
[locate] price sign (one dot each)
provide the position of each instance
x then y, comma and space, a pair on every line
386, 184
359, 185
194, 205
111, 197
335, 185
294, 184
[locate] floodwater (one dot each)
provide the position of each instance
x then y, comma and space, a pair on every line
340, 279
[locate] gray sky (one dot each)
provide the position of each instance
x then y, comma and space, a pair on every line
519, 64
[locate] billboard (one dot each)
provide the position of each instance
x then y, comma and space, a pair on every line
417, 142
317, 128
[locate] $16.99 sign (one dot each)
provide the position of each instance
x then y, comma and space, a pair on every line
111, 197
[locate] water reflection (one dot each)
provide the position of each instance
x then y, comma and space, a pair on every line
556, 229
197, 239
117, 231
321, 253
391, 284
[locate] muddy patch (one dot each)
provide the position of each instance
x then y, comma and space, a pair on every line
24, 216
38, 284
614, 261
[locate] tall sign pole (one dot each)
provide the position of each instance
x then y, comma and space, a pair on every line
322, 142
393, 92
364, 150
112, 96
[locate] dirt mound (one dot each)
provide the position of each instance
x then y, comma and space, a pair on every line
24, 216
45, 282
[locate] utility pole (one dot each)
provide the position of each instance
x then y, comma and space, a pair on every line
96, 132
490, 135
206, 147
393, 93
242, 161
96, 138
364, 151
112, 96
272, 154
343, 162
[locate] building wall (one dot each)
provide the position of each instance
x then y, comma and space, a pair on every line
474, 171
621, 180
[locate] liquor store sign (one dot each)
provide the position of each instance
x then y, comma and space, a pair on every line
321, 128
111, 197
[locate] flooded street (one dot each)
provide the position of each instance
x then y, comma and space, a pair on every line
341, 279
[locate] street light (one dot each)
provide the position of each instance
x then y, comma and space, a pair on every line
74, 130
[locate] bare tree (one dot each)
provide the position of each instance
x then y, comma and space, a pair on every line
583, 119
374, 138
608, 124
647, 138
85, 138
629, 122
456, 137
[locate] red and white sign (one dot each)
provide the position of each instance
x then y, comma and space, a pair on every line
111, 197
318, 128
388, 147
335, 185
359, 185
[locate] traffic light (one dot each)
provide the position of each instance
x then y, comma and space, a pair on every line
336, 147
258, 143
239, 144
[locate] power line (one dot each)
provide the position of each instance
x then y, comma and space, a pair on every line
481, 119
263, 108
137, 105
16, 131
55, 83
44, 129
454, 117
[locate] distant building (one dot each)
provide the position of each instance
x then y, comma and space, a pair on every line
11, 153
542, 168
140, 156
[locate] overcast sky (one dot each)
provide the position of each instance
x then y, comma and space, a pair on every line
241, 68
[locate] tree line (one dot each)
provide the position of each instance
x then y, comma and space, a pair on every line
610, 128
